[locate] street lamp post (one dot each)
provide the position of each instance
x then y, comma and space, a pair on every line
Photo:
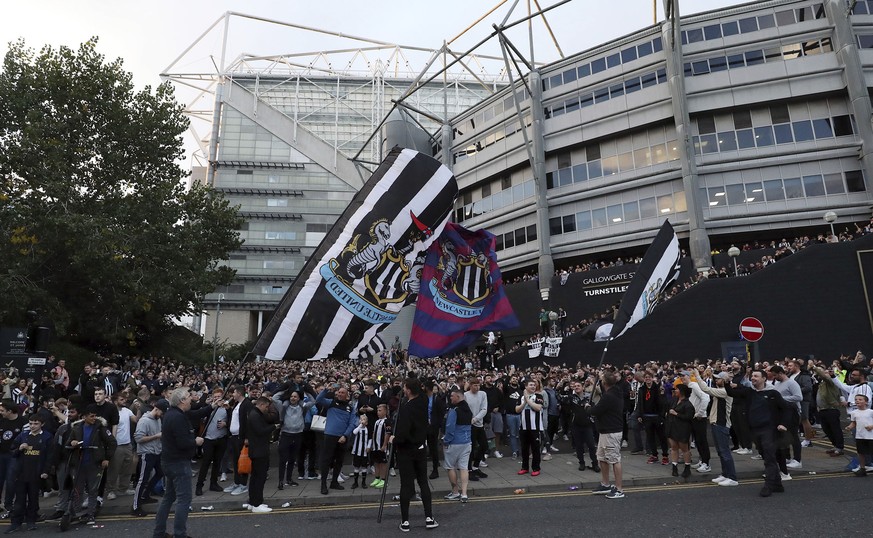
215, 335
733, 252
830, 217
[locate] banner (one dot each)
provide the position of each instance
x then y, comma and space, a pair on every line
367, 267
657, 271
462, 294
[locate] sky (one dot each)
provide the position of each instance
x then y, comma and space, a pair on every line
149, 36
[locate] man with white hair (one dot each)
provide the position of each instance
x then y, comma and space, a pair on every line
178, 444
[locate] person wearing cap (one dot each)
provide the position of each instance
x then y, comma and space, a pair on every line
148, 447
720, 424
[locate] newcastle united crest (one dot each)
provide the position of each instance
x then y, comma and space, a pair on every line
464, 282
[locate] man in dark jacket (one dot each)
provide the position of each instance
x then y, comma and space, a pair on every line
609, 418
436, 415
178, 444
32, 448
768, 414
582, 426
259, 428
341, 422
238, 418
93, 447
410, 440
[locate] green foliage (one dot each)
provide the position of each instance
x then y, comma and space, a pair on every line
99, 232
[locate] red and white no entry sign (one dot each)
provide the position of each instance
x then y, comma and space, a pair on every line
751, 329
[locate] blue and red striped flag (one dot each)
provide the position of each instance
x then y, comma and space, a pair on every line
461, 293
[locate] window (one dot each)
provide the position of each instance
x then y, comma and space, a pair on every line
665, 204
865, 41
616, 90
834, 184
793, 188
712, 32
598, 65
520, 239
614, 214
632, 85
730, 28
764, 136
727, 141
613, 60
583, 71
583, 220
754, 57
717, 196
610, 166
695, 35
742, 119
532, 232
498, 243
592, 152
648, 208
631, 211
601, 95
705, 124
779, 114
628, 55
580, 173
277, 202
735, 61
598, 217
509, 240
550, 180
855, 181
773, 190
569, 75
709, 144
736, 194
586, 99
745, 139
565, 177
748, 25
644, 49
649, 79
802, 131
783, 133
657, 45
813, 185
842, 125
594, 170
822, 128
766, 21
784, 18
626, 162
717, 64
555, 226
754, 192
642, 157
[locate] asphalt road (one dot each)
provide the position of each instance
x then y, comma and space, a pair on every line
811, 506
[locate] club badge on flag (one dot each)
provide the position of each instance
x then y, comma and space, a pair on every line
461, 295
658, 270
367, 267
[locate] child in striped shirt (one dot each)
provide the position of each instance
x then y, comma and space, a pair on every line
360, 451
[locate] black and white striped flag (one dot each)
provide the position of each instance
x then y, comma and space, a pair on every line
659, 268
367, 267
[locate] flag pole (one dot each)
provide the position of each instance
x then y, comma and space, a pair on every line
603, 355
388, 456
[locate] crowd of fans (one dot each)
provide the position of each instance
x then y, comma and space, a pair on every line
116, 406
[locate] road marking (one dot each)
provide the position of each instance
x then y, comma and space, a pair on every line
478, 500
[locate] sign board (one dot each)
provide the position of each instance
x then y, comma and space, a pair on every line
751, 329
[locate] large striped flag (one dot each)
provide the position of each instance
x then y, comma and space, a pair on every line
367, 267
657, 271
462, 294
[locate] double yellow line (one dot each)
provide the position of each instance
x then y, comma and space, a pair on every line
520, 497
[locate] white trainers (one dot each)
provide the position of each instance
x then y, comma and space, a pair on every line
785, 476
261, 509
624, 444
793, 464
247, 506
497, 454
806, 444
223, 477
566, 438
728, 482
392, 472
230, 488
239, 490
696, 465
718, 479
757, 457
553, 448
704, 468
111, 496
547, 457
452, 496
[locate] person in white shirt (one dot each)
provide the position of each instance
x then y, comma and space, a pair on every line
123, 462
862, 423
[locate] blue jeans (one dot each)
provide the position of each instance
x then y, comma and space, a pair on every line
177, 488
8, 474
513, 423
722, 437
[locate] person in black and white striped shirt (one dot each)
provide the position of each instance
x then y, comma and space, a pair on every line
381, 431
530, 406
360, 449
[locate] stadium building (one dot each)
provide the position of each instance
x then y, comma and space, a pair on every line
751, 121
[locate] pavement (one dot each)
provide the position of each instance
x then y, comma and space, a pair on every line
558, 474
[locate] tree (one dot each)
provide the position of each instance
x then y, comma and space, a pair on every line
100, 233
